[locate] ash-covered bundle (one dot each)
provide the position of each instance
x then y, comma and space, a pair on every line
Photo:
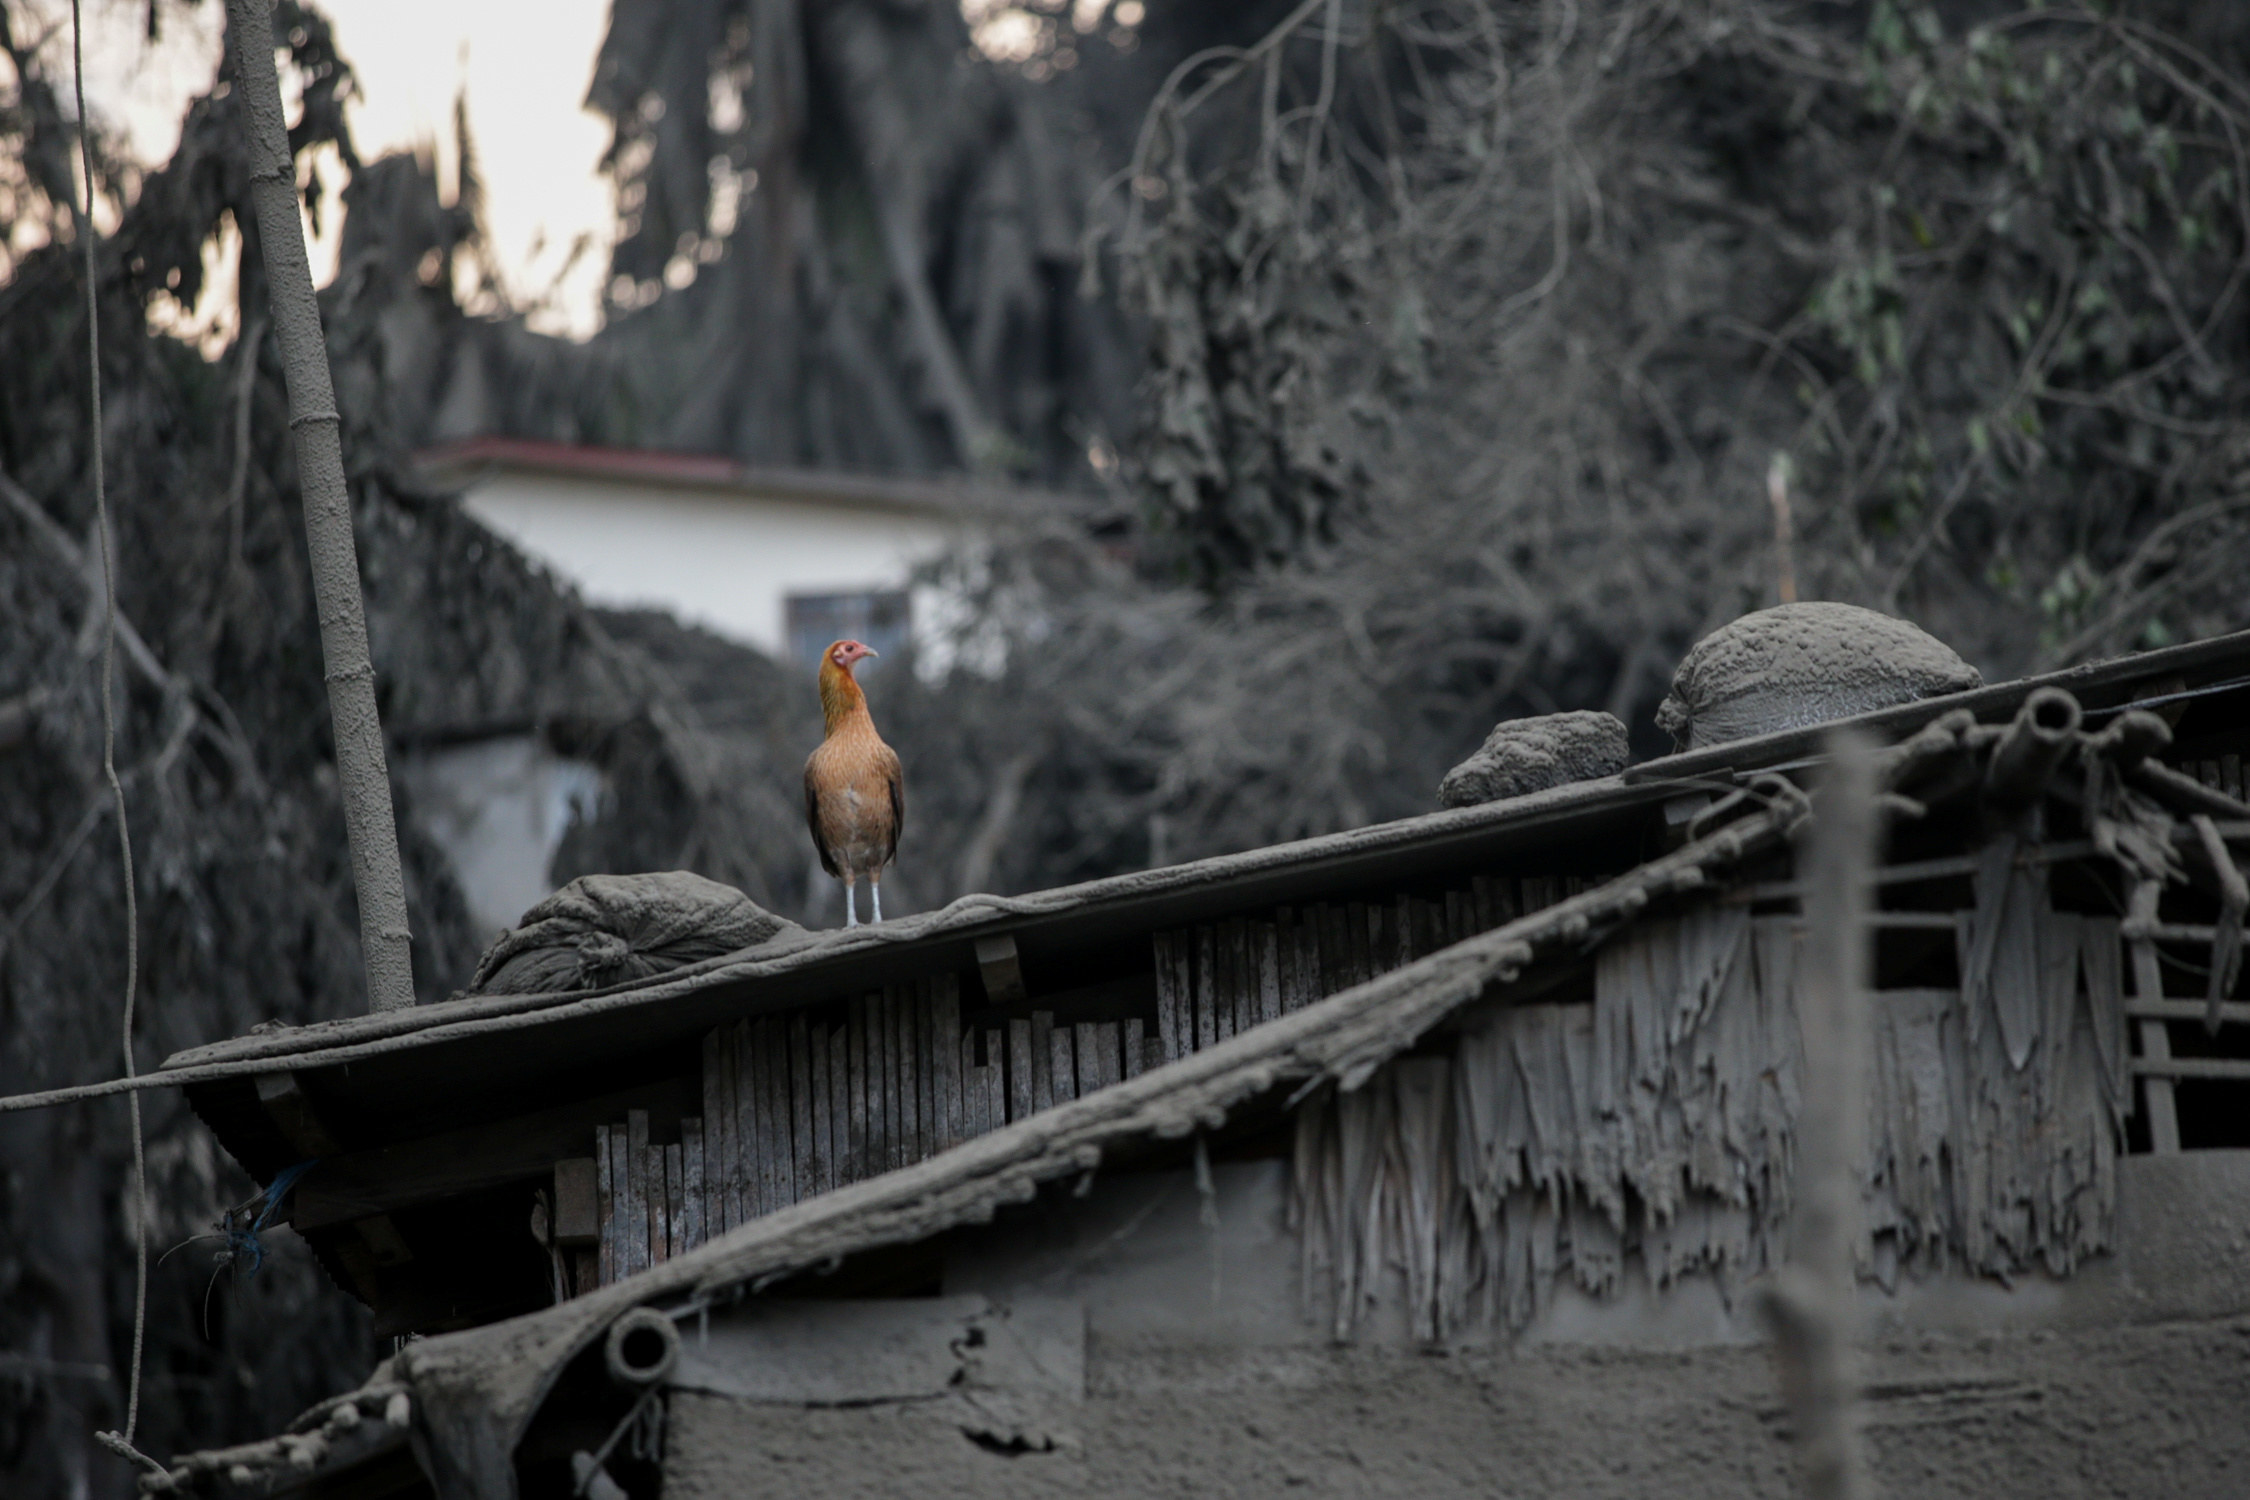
609, 929
1530, 755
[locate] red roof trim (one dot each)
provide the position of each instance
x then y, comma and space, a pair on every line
572, 458
461, 460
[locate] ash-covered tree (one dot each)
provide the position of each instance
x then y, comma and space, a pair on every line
244, 886
1482, 337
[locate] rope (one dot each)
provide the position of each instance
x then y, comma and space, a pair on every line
109, 743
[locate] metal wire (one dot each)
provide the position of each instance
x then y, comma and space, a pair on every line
109, 715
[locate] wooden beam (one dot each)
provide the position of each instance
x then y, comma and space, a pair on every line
357, 1184
292, 1113
2156, 1042
291, 1110
2235, 1011
1002, 968
2152, 1067
577, 1203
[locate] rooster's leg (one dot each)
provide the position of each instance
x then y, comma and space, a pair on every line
851, 904
875, 894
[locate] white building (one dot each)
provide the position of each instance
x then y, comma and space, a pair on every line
786, 560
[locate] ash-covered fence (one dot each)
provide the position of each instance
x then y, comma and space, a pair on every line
798, 1104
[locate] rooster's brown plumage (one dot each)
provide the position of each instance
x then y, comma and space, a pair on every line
855, 792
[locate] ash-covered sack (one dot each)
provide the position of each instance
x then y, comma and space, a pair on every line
1801, 664
610, 929
1530, 755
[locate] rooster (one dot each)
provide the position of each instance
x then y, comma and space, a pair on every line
855, 793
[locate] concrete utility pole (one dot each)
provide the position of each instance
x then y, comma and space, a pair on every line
361, 773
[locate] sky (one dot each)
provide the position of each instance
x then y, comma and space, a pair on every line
526, 64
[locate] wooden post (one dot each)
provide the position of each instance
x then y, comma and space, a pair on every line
1307, 987
839, 1107
730, 1128
1268, 938
714, 1111
718, 1132
605, 1207
1484, 899
2156, 1042
1206, 988
670, 1173
1042, 1059
1242, 975
855, 1091
1062, 1066
902, 1076
1329, 924
1812, 1301
750, 1140
1086, 1048
758, 1107
362, 777
898, 1085
636, 1191
945, 1019
1000, 1067
878, 1159
781, 1144
1174, 1028
972, 1088
823, 1110
692, 1212
926, 1103
1023, 1073
804, 1162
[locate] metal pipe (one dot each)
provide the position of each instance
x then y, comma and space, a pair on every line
642, 1347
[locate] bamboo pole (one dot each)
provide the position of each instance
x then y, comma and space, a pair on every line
360, 770
1812, 1303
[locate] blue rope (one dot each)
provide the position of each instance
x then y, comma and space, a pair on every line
243, 1244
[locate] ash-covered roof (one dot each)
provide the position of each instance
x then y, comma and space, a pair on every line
476, 1392
408, 1066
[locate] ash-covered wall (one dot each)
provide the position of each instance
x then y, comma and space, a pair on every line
1198, 1377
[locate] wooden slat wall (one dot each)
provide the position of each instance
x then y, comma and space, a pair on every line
1215, 982
800, 1105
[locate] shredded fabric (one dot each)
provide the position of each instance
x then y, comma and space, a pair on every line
1653, 1129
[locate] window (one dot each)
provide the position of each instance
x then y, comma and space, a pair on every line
880, 617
